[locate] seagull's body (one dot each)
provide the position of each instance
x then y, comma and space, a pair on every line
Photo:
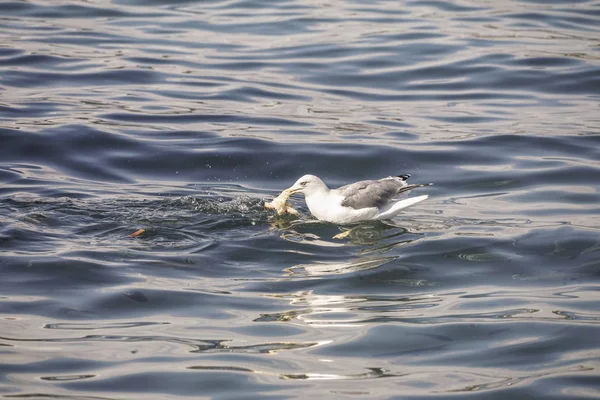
360, 201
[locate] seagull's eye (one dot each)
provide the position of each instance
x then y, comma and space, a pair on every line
303, 183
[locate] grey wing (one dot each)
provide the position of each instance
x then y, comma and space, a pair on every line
367, 194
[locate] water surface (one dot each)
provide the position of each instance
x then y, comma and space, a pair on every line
181, 117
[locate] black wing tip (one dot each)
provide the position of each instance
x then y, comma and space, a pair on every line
403, 177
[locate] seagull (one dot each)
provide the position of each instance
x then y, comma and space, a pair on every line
356, 202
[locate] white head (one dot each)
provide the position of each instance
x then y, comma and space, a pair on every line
308, 184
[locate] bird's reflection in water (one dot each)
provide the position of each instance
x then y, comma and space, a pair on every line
343, 267
374, 239
372, 233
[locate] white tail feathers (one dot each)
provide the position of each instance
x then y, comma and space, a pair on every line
399, 206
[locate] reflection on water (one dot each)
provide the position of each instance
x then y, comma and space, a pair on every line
373, 373
428, 308
338, 268
324, 310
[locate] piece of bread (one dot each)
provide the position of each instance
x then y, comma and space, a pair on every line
281, 204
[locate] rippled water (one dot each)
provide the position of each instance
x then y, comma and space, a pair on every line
181, 117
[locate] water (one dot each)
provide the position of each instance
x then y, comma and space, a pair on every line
181, 117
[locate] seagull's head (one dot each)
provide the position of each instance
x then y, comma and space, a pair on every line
308, 184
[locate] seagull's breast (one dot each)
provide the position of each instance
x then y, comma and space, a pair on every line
323, 205
327, 206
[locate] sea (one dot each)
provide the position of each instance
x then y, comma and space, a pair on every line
139, 140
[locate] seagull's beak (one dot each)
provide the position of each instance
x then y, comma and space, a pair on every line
294, 189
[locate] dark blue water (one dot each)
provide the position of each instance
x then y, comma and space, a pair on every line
181, 117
